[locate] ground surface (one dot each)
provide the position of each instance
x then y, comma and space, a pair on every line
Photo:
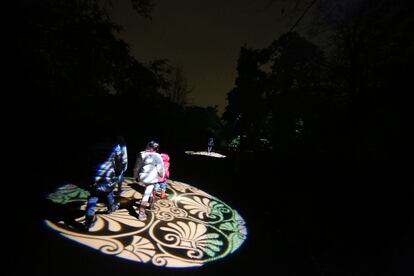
302, 218
187, 230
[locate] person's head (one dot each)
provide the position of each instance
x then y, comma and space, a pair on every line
120, 140
152, 145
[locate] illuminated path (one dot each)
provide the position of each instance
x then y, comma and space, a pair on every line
187, 230
205, 153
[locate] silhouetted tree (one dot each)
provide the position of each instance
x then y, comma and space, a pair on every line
246, 99
71, 68
372, 53
172, 81
202, 123
343, 100
179, 89
294, 88
69, 47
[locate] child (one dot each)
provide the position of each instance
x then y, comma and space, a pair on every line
149, 168
162, 181
103, 186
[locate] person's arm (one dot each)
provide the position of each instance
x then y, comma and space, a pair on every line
138, 165
124, 158
167, 170
111, 177
159, 165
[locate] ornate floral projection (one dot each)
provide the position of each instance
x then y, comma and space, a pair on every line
186, 230
205, 153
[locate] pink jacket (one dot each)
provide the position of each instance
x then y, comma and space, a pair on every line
166, 160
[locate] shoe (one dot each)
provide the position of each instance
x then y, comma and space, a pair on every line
113, 208
142, 215
89, 222
163, 195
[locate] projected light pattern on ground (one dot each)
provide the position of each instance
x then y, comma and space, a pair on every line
205, 153
186, 230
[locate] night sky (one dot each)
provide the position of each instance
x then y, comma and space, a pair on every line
204, 37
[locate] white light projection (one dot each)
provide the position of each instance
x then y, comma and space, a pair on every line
205, 153
186, 230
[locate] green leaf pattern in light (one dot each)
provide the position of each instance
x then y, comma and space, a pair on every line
188, 230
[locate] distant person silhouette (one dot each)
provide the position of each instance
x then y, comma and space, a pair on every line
162, 181
149, 167
210, 144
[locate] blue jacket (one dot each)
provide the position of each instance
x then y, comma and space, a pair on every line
111, 162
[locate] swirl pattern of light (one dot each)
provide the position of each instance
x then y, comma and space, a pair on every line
186, 230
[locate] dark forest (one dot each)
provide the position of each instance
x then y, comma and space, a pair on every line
317, 132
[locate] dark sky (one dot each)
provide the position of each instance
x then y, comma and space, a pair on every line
204, 37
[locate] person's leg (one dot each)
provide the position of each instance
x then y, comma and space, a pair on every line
110, 201
120, 181
144, 201
90, 211
164, 186
157, 187
147, 193
163, 190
